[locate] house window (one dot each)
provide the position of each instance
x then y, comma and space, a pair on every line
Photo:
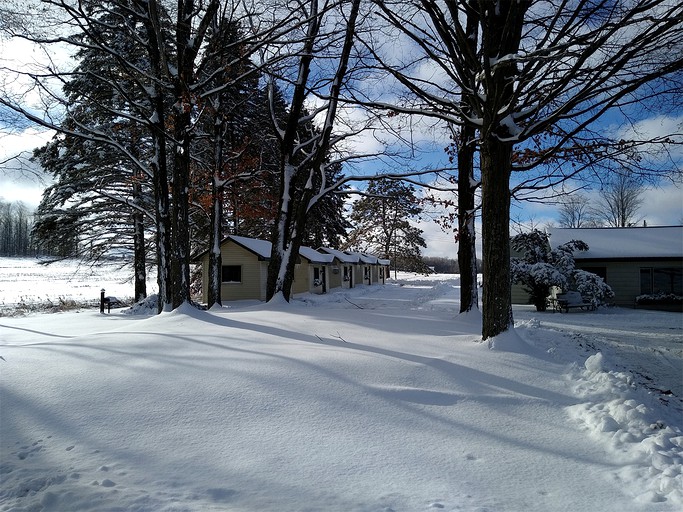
232, 274
316, 274
661, 280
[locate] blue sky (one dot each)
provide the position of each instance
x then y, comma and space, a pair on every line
661, 206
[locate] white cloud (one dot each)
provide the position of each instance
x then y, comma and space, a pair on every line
663, 206
27, 140
21, 180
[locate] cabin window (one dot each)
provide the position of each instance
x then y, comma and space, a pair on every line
316, 274
232, 274
661, 280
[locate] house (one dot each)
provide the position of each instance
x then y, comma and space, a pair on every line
311, 272
345, 263
360, 268
633, 261
245, 269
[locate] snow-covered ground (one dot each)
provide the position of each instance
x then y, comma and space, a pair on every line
375, 399
30, 283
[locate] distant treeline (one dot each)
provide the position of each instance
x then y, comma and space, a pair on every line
442, 265
15, 230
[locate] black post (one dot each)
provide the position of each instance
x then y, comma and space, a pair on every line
102, 300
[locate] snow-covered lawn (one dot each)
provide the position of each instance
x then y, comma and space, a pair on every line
32, 284
374, 399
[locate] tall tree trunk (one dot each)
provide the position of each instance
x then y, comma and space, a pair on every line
467, 253
182, 121
495, 198
294, 204
158, 165
215, 258
139, 249
181, 201
287, 233
187, 49
501, 29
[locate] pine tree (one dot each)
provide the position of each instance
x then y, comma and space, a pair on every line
100, 190
326, 223
381, 220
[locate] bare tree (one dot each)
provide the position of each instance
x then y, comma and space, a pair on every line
543, 74
304, 152
575, 212
619, 202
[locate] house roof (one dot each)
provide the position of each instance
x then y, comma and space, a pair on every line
324, 255
369, 259
622, 243
344, 257
314, 256
261, 248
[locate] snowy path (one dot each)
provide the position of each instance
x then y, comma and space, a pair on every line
648, 344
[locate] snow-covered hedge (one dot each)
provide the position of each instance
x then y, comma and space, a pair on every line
659, 298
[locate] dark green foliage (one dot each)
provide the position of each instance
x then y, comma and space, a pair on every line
326, 224
382, 224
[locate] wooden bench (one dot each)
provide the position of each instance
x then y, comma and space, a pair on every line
572, 299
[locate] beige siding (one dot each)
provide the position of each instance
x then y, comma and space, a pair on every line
252, 285
334, 276
374, 273
519, 296
359, 274
351, 280
301, 278
624, 276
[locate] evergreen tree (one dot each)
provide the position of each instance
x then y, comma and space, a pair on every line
100, 190
541, 268
381, 220
326, 224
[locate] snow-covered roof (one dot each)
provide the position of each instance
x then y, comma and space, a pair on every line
369, 259
259, 247
262, 248
324, 255
314, 256
342, 256
355, 257
635, 242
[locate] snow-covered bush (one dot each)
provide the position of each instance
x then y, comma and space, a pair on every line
537, 279
147, 306
540, 268
659, 298
591, 286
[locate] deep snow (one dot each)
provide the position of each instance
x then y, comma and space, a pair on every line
379, 398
